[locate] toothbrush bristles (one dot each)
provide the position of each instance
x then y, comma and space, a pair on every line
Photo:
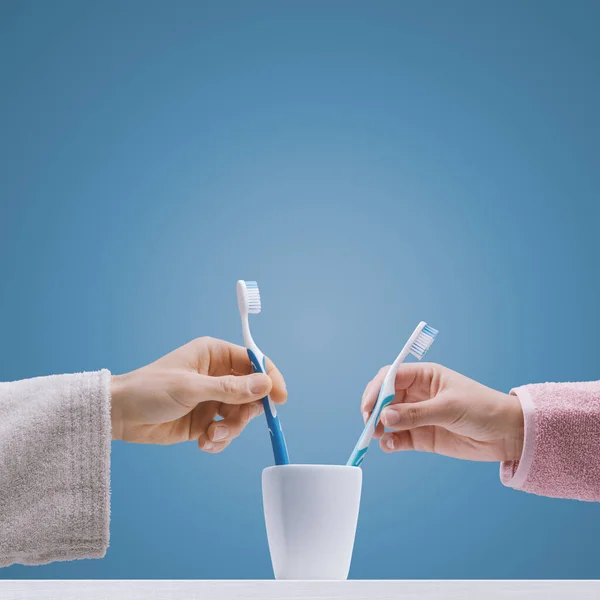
423, 342
254, 305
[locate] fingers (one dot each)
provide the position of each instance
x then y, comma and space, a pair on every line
371, 392
422, 439
207, 445
402, 417
231, 426
414, 382
406, 376
201, 417
227, 358
278, 391
231, 389
379, 429
237, 356
435, 439
219, 434
396, 441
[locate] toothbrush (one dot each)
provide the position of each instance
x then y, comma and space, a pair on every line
249, 303
417, 345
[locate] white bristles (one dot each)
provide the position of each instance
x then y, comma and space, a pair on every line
248, 297
423, 342
253, 297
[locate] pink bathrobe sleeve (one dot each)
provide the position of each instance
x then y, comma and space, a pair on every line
561, 450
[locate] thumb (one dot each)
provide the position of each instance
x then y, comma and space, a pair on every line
401, 417
236, 389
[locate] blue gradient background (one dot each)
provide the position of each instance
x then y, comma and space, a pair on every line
371, 165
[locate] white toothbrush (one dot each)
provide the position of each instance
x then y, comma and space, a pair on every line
417, 345
249, 303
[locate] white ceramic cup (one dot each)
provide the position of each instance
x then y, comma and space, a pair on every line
311, 513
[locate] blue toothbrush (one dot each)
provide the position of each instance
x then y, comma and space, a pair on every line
249, 303
417, 345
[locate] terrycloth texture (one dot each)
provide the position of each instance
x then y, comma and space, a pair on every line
561, 451
55, 436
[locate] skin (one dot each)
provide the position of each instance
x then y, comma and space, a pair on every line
203, 391
438, 410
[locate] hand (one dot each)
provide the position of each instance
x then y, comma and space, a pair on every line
178, 397
438, 410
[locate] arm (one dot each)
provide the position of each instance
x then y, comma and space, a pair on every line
55, 436
54, 468
547, 436
561, 450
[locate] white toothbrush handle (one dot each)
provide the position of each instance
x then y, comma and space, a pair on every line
418, 347
386, 395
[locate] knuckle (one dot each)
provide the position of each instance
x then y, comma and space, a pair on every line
413, 415
228, 386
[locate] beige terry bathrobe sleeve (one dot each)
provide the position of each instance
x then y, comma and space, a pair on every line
55, 436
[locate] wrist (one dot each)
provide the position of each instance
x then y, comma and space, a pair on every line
515, 428
118, 392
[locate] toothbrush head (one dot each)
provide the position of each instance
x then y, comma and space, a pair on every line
422, 343
248, 297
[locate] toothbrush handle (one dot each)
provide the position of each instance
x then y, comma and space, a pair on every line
280, 451
358, 454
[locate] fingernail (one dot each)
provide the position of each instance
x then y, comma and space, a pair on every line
257, 384
365, 416
390, 443
390, 418
220, 433
208, 446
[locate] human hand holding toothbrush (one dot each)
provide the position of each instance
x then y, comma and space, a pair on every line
180, 397
417, 345
438, 410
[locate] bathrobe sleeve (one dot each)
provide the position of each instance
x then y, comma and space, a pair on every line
55, 436
561, 450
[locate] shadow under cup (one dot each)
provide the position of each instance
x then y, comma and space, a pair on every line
311, 512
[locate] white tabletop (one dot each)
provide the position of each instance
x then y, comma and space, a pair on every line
297, 590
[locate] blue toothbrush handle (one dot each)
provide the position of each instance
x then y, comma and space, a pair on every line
280, 451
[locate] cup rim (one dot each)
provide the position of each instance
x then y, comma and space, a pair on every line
309, 467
